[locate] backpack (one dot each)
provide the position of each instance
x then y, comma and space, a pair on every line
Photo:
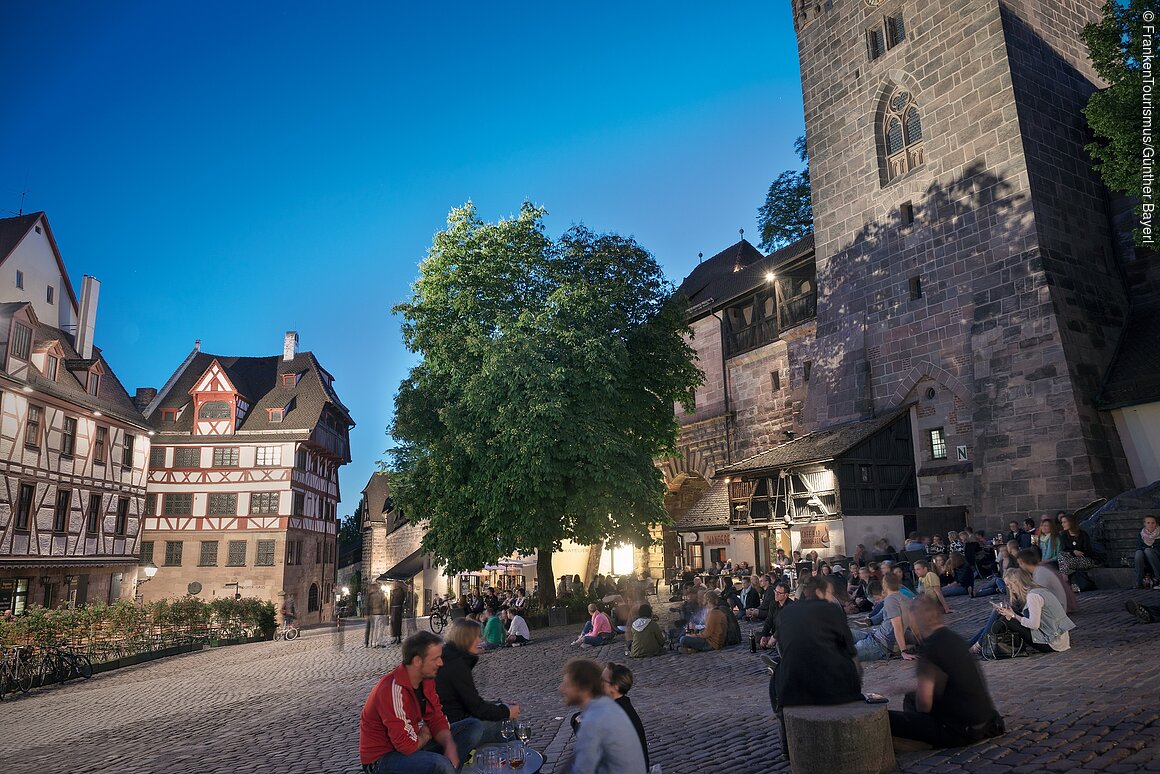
732, 628
997, 645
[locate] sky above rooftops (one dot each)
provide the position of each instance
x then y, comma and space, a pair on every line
230, 171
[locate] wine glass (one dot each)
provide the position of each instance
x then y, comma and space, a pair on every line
523, 730
507, 730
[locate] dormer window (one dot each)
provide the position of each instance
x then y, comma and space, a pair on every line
169, 415
289, 380
214, 409
276, 415
21, 340
94, 383
51, 366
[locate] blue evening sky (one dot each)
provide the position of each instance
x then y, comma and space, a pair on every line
230, 171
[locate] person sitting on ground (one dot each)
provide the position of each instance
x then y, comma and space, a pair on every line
834, 590
1042, 624
519, 602
860, 601
1007, 561
818, 663
955, 541
1012, 533
749, 597
1075, 547
618, 681
597, 631
647, 638
1049, 538
518, 633
859, 557
929, 585
1027, 536
402, 728
606, 742
937, 546
713, 635
781, 598
1044, 576
458, 694
951, 706
938, 564
889, 636
884, 548
903, 589
1148, 552
961, 574
493, 633
914, 543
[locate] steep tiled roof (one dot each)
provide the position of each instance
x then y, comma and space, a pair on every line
376, 493
1134, 375
814, 447
715, 281
111, 399
259, 381
12, 231
712, 510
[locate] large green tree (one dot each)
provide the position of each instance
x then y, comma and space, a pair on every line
544, 393
1114, 114
788, 212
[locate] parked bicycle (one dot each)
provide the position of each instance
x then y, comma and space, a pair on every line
440, 617
15, 671
62, 663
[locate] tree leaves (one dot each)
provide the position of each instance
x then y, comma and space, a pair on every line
1115, 45
788, 213
545, 391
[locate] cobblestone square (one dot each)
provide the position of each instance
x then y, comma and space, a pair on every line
293, 706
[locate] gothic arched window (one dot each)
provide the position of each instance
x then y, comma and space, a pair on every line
901, 134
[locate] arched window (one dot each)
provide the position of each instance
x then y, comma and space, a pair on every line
214, 409
312, 599
901, 134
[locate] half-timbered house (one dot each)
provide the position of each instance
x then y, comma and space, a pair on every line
243, 483
73, 446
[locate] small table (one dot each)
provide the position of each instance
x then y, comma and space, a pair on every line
533, 760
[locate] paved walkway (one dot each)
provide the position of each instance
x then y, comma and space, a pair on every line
293, 706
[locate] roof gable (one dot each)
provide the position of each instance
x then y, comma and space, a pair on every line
213, 379
14, 230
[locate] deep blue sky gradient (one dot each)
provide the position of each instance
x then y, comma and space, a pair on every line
230, 171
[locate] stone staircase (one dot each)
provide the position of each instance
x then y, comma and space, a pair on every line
1115, 525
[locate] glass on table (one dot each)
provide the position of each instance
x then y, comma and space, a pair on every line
524, 730
491, 761
516, 756
508, 730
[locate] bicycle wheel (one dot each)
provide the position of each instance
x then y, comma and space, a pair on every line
84, 666
24, 676
292, 634
437, 623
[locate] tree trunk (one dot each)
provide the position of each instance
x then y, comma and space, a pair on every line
545, 577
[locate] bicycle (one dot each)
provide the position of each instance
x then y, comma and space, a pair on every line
15, 671
439, 618
286, 631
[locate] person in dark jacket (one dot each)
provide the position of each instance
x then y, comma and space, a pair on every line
456, 686
617, 683
781, 599
818, 659
398, 602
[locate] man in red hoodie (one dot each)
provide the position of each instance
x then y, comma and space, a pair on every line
402, 722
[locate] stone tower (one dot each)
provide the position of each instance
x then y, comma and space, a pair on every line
965, 259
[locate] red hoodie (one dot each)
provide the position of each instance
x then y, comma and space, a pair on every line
390, 718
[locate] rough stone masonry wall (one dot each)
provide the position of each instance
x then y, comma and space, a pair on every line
984, 328
1052, 79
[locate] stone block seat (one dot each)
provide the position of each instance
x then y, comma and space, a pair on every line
846, 738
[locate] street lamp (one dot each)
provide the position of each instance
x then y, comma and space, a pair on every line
150, 570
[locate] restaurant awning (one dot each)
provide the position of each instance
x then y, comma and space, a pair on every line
404, 570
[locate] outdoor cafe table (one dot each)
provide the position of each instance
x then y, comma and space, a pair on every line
533, 760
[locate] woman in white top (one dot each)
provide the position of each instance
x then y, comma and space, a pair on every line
1043, 624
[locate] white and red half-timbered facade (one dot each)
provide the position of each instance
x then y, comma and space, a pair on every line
73, 445
243, 479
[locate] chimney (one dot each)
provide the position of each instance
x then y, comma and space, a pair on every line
86, 325
144, 397
290, 346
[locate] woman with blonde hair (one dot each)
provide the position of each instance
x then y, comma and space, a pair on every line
456, 686
1042, 623
1048, 538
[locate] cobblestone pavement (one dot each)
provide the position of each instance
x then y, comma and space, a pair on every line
293, 706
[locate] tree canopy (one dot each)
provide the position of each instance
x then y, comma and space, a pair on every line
1114, 114
788, 212
545, 390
